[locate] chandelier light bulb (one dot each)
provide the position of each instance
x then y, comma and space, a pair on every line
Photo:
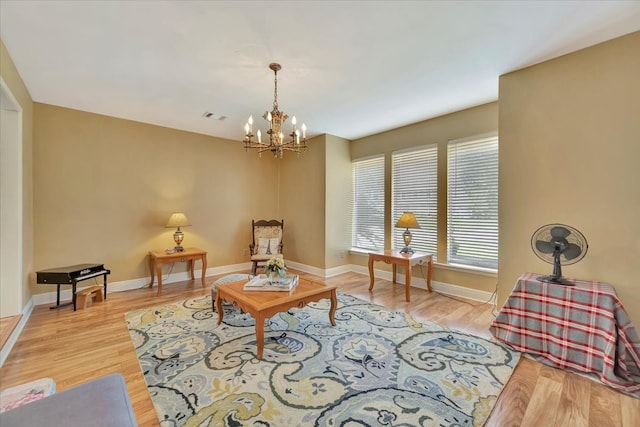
246, 128
304, 131
259, 136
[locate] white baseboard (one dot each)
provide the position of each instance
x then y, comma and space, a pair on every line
15, 334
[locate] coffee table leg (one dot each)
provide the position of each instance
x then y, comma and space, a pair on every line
219, 307
259, 336
332, 310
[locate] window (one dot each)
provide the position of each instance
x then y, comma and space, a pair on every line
415, 189
472, 202
368, 203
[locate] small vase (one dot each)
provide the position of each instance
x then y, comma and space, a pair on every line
275, 275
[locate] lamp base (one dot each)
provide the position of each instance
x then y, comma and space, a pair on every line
178, 236
406, 236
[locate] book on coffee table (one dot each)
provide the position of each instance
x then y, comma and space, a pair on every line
263, 283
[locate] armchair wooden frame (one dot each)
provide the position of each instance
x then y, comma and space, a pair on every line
259, 260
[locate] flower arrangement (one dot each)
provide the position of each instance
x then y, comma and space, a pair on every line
274, 266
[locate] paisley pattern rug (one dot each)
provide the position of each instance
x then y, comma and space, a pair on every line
376, 367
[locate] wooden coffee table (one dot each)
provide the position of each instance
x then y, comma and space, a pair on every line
262, 305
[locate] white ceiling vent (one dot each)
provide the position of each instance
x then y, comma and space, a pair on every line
213, 116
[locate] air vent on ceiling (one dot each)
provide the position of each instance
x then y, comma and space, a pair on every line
213, 116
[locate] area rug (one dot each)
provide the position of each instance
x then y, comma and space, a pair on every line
376, 367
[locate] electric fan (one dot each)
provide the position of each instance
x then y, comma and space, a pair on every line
558, 244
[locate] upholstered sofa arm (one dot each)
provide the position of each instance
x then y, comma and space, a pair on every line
103, 402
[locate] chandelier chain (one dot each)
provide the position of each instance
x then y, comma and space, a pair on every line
275, 90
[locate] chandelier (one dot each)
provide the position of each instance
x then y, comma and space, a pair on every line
278, 142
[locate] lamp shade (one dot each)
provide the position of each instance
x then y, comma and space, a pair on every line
407, 220
178, 219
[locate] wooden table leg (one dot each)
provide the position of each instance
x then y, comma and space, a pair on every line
334, 305
371, 278
191, 262
394, 268
152, 268
204, 270
159, 271
407, 286
259, 335
429, 273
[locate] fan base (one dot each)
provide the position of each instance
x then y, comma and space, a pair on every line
555, 280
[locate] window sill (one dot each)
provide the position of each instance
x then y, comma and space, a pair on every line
360, 251
468, 269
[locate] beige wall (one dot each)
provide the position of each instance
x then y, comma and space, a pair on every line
16, 85
337, 201
302, 201
570, 153
473, 121
105, 187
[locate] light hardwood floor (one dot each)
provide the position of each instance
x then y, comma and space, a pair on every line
73, 348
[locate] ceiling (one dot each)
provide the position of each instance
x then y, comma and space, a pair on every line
349, 68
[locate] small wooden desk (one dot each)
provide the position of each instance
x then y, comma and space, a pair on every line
263, 305
157, 258
397, 258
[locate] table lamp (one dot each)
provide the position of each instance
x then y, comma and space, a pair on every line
407, 220
178, 219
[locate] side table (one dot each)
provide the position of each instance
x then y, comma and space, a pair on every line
583, 328
190, 255
397, 258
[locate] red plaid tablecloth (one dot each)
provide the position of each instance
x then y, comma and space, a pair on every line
582, 328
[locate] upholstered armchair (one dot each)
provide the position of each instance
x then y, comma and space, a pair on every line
267, 242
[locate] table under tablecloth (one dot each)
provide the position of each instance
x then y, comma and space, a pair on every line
583, 328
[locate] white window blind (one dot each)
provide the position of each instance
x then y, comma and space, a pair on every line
472, 207
368, 203
415, 189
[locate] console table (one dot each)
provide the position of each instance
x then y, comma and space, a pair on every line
190, 255
582, 328
397, 258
